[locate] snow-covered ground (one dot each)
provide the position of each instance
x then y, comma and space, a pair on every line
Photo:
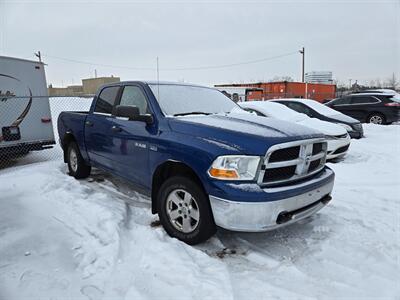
97, 239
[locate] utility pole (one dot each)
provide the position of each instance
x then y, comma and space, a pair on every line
158, 80
38, 55
302, 52
350, 83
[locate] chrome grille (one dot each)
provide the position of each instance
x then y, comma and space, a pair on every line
287, 162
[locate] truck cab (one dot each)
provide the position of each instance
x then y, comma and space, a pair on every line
203, 160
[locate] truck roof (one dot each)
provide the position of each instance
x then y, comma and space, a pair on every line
155, 82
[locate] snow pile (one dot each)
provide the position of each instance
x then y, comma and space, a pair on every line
97, 239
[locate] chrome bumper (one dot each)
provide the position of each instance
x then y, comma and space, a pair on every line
264, 216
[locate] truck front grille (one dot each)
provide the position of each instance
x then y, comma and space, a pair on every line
285, 154
288, 162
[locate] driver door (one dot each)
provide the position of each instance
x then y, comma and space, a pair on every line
131, 138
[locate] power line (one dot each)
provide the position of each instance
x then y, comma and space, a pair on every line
233, 64
95, 64
174, 69
201, 2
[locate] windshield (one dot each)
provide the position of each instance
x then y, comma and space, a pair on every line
276, 110
177, 99
320, 108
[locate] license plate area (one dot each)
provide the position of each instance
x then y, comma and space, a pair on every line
11, 133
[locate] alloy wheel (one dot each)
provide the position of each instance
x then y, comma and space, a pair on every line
183, 211
73, 160
375, 119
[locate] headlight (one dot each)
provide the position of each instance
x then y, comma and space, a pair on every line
347, 127
234, 167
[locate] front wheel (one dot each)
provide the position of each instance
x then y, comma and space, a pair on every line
184, 211
76, 165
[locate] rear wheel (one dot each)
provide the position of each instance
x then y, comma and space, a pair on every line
184, 210
376, 118
76, 165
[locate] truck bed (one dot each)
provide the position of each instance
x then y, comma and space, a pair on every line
73, 122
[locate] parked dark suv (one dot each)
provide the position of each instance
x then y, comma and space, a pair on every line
378, 108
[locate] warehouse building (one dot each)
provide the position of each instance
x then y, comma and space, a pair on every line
89, 87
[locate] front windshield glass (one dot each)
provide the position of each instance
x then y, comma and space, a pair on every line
280, 111
320, 108
177, 99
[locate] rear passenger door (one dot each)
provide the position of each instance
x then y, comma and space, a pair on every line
362, 106
98, 129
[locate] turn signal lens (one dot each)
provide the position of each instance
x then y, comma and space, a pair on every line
220, 173
46, 120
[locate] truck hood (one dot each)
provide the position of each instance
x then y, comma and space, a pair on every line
247, 133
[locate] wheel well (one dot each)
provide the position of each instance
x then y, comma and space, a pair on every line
166, 170
68, 138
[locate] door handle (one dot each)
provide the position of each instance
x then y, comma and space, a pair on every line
88, 123
116, 129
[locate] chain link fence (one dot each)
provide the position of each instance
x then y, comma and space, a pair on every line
28, 127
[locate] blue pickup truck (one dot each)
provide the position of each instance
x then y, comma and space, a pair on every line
202, 160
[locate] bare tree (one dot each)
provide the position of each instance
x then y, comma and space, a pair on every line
282, 78
378, 83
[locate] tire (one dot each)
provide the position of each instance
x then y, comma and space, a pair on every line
184, 211
76, 165
376, 118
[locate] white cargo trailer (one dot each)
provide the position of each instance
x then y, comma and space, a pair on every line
25, 118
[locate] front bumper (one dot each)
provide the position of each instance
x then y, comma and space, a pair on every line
338, 147
356, 134
268, 215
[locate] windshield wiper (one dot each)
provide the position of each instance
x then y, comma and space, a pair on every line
192, 113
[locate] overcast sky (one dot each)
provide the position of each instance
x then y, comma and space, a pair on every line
353, 39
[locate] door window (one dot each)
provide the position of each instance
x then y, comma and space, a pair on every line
106, 100
364, 100
342, 101
133, 96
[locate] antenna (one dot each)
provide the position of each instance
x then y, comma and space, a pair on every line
38, 55
158, 81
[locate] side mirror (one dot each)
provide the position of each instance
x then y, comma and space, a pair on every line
132, 113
